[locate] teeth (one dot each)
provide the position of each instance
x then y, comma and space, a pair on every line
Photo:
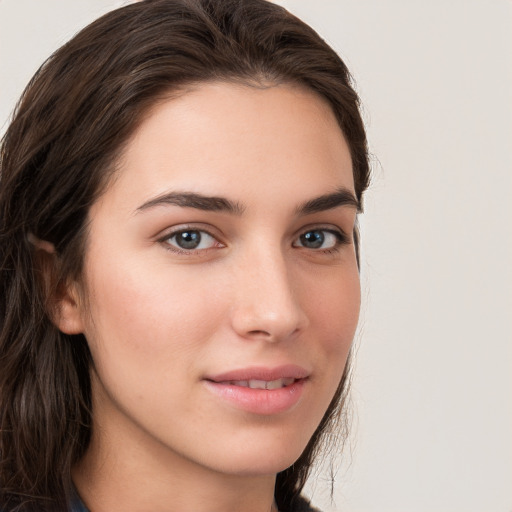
258, 384
274, 384
242, 383
263, 384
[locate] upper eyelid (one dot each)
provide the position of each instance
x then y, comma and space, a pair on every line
171, 231
331, 228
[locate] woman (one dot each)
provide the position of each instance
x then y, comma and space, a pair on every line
179, 265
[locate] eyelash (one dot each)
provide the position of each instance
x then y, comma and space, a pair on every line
341, 239
340, 236
187, 252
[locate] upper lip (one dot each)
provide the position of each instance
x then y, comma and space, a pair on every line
287, 371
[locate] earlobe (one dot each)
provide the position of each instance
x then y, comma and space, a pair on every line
67, 311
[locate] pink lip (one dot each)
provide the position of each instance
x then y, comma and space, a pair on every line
259, 401
287, 371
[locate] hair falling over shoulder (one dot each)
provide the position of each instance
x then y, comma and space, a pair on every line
56, 157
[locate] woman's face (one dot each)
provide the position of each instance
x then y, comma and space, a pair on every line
221, 261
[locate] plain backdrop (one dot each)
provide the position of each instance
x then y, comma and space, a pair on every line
432, 389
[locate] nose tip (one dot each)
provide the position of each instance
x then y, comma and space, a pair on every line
268, 305
270, 329
266, 322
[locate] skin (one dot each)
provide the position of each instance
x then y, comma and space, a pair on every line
158, 318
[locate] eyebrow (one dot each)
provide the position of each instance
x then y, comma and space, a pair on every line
197, 201
342, 197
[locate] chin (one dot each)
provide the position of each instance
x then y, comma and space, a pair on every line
261, 456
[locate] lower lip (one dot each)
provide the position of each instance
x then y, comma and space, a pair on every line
259, 401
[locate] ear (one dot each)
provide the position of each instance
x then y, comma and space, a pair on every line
67, 310
63, 303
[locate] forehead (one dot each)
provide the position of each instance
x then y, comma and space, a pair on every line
235, 140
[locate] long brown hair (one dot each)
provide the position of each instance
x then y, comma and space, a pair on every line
56, 158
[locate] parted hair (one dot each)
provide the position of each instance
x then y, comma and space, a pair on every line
57, 156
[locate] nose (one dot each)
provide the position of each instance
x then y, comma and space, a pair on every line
267, 304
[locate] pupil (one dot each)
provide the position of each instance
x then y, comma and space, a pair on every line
312, 239
188, 239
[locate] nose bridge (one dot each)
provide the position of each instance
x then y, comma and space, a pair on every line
267, 302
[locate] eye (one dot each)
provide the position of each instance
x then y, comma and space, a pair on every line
190, 240
320, 239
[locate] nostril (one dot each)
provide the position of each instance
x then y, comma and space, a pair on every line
259, 333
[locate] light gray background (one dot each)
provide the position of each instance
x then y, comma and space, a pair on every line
432, 388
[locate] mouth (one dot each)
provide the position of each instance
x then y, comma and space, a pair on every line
259, 377
261, 384
260, 390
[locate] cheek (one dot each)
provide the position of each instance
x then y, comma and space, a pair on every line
333, 310
333, 304
148, 319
